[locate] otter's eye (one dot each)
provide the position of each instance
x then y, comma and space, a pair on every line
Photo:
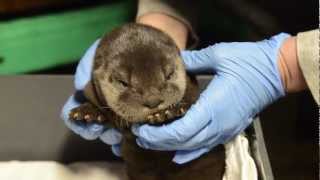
119, 80
123, 83
169, 75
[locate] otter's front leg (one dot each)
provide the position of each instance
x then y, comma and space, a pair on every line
87, 112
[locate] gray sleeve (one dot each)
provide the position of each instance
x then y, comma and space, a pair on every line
308, 57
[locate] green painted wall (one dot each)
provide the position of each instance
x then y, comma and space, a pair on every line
41, 42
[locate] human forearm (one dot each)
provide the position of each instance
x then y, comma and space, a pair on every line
290, 71
173, 27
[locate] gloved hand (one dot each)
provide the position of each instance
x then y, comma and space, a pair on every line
89, 131
247, 80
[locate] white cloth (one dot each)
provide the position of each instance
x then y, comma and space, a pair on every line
239, 166
239, 163
50, 170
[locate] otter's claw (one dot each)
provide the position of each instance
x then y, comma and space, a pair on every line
75, 116
150, 118
86, 113
99, 118
168, 114
87, 117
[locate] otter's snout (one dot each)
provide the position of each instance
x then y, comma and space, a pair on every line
152, 102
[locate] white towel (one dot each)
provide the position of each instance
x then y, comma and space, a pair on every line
50, 170
239, 163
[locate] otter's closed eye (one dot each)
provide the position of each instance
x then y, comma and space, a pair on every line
168, 72
170, 75
123, 83
119, 80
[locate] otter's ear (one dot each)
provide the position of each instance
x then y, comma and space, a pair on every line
90, 93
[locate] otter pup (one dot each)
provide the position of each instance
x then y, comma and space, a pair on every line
139, 77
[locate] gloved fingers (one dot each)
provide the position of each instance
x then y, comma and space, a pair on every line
198, 61
111, 136
87, 131
179, 131
210, 133
201, 123
116, 149
207, 60
182, 157
84, 68
274, 42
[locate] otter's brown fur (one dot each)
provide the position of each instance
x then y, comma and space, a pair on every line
145, 164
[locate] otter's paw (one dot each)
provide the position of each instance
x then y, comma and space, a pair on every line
87, 113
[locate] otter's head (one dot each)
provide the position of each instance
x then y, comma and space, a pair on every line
139, 72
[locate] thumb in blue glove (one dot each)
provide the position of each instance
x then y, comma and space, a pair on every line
89, 131
247, 80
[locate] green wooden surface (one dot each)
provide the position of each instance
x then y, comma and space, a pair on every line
41, 42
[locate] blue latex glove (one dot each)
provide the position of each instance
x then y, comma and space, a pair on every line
89, 131
247, 80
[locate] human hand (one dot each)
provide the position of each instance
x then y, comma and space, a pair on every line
89, 131
247, 80
176, 29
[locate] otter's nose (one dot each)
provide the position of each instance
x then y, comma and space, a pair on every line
152, 102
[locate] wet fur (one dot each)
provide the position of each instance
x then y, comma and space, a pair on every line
142, 54
131, 54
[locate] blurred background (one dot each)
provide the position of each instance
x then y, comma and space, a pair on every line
50, 36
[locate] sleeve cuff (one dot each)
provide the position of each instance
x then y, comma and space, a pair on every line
308, 57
